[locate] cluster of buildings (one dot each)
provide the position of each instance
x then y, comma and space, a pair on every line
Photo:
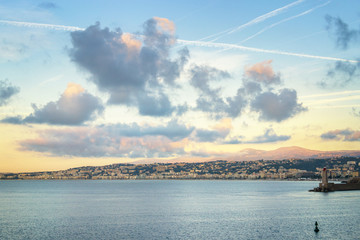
339, 168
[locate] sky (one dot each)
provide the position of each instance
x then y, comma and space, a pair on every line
92, 83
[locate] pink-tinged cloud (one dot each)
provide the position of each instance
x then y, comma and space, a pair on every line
119, 140
133, 46
134, 70
342, 135
262, 72
165, 24
72, 90
354, 136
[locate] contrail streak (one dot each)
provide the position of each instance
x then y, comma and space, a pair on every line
334, 106
332, 94
285, 20
185, 42
342, 99
254, 21
278, 23
330, 98
251, 49
266, 16
41, 25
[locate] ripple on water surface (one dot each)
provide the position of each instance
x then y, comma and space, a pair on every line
175, 210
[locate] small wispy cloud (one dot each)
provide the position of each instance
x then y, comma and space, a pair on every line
342, 135
322, 100
47, 5
7, 90
356, 111
268, 137
52, 79
341, 31
341, 74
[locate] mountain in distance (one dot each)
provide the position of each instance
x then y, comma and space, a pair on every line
250, 154
290, 153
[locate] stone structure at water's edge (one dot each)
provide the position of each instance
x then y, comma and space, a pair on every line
325, 186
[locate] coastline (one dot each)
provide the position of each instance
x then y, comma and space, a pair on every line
176, 179
279, 170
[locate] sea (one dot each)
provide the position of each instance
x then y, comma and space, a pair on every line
175, 209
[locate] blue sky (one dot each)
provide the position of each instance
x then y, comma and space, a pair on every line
91, 83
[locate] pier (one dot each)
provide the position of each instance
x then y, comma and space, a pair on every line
325, 186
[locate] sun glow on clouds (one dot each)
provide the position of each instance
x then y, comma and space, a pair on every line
74, 107
225, 124
170, 102
133, 44
166, 25
73, 89
162, 141
131, 141
131, 41
262, 72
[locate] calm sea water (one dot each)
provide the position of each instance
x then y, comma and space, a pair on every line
175, 210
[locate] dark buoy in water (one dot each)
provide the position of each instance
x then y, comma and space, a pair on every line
316, 227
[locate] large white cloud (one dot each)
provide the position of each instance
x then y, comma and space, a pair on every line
74, 107
134, 71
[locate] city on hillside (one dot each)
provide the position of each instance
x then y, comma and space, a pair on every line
290, 169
